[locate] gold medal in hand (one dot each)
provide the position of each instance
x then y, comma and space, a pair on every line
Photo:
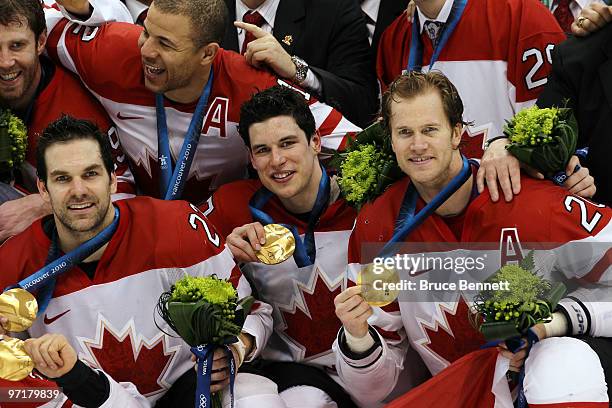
279, 245
15, 363
20, 307
378, 286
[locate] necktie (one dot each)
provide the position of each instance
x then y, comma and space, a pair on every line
251, 17
433, 30
564, 15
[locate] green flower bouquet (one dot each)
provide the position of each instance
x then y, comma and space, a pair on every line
206, 313
13, 144
529, 300
367, 166
543, 138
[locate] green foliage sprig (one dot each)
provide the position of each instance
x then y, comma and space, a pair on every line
13, 141
543, 138
367, 166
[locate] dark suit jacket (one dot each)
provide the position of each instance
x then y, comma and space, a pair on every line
582, 73
388, 11
331, 36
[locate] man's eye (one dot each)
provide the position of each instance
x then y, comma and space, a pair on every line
91, 173
61, 179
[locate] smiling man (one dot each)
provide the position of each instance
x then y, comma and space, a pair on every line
98, 339
38, 92
294, 190
157, 80
424, 115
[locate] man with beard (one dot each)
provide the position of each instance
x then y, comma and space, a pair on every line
96, 336
38, 92
175, 94
424, 115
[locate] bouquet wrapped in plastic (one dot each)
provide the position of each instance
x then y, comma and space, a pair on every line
529, 300
367, 166
13, 144
543, 138
206, 313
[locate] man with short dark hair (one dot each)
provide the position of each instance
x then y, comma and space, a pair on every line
293, 189
172, 76
96, 336
38, 92
423, 113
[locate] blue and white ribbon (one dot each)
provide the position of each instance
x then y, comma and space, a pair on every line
172, 182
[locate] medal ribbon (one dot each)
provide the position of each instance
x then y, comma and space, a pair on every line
172, 182
44, 279
407, 221
560, 177
204, 356
415, 58
305, 251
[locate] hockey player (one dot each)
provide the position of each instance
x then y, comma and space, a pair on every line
97, 338
497, 53
158, 81
293, 189
424, 115
38, 91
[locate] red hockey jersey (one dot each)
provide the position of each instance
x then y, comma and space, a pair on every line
572, 234
109, 320
64, 94
305, 323
108, 61
498, 57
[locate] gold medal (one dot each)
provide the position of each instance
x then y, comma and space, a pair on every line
279, 246
20, 307
15, 363
376, 288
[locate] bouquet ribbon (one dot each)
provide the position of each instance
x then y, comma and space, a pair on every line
172, 183
305, 250
407, 220
204, 356
513, 346
44, 278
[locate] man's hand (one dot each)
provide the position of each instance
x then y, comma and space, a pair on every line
244, 241
265, 50
17, 215
518, 359
76, 7
53, 356
580, 183
498, 165
220, 377
3, 322
592, 18
353, 311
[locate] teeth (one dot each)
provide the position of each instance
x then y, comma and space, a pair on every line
420, 159
281, 175
9, 77
79, 206
153, 70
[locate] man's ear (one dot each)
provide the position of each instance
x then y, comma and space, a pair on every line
315, 142
456, 137
41, 43
42, 189
113, 181
209, 52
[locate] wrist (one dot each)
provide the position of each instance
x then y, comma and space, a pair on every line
358, 344
495, 140
301, 69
